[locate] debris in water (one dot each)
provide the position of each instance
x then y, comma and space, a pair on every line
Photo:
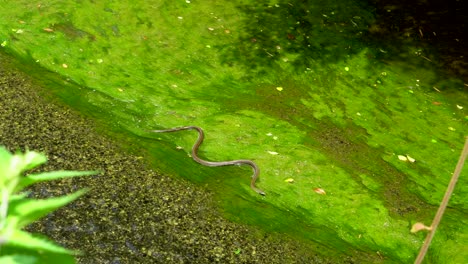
403, 158
289, 180
406, 158
320, 191
420, 226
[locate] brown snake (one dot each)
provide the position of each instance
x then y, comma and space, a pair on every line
195, 157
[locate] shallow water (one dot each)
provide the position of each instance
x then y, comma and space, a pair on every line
300, 88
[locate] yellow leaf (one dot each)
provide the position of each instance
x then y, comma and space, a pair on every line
289, 180
403, 158
410, 159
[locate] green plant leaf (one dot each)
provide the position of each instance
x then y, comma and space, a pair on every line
22, 239
47, 176
41, 256
18, 197
18, 259
32, 159
29, 210
5, 157
13, 165
17, 246
5, 163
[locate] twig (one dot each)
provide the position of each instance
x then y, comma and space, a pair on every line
444, 203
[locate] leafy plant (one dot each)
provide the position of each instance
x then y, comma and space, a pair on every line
17, 210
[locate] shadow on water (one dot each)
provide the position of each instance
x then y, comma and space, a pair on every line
301, 32
304, 33
438, 26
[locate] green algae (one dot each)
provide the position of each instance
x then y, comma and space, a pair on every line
340, 122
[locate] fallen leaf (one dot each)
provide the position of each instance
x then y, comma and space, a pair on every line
410, 159
279, 88
320, 191
273, 152
420, 226
289, 180
48, 30
64, 65
436, 103
402, 158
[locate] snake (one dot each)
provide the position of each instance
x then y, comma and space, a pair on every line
201, 136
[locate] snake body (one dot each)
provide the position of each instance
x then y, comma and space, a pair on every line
195, 156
